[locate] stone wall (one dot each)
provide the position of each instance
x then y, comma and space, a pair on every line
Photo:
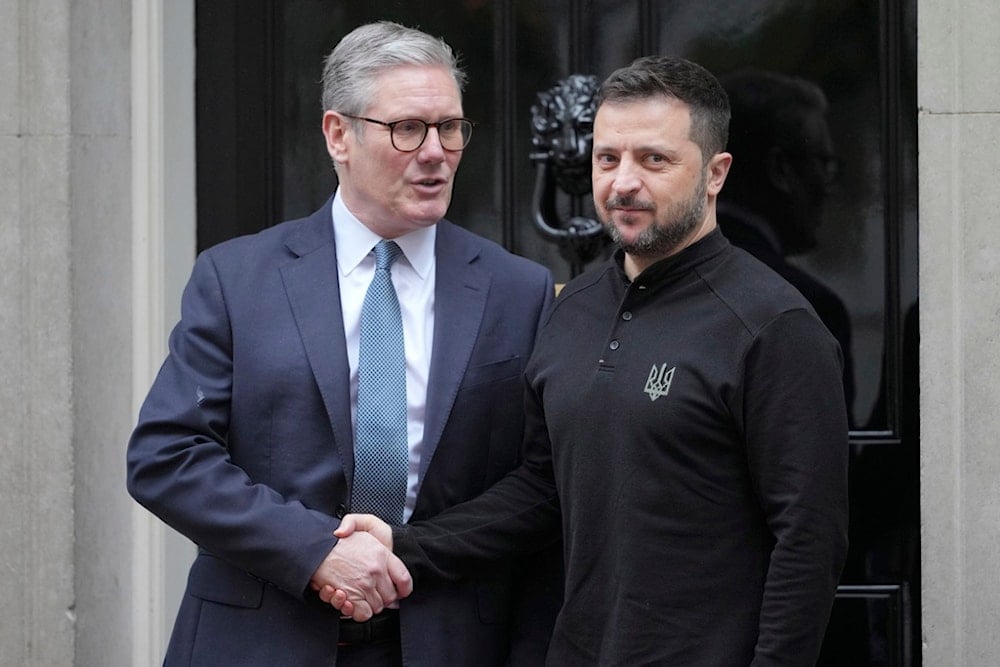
65, 332
100, 181
959, 107
36, 336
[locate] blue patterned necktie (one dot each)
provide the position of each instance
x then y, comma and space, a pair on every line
381, 455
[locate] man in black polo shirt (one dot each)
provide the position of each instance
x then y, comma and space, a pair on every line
685, 420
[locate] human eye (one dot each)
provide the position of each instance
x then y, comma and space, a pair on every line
450, 127
605, 160
410, 127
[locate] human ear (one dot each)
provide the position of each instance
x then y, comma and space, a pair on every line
718, 168
334, 131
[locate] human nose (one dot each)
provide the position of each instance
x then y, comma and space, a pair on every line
626, 178
431, 150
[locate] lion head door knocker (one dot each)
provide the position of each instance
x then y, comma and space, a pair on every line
562, 127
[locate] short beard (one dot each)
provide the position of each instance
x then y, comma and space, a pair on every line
667, 233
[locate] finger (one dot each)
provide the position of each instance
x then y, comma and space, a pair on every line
368, 523
378, 600
400, 576
378, 528
374, 593
362, 611
347, 526
340, 601
385, 587
346, 608
326, 594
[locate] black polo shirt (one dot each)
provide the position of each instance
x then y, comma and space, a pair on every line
692, 426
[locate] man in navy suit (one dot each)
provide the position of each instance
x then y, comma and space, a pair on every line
246, 441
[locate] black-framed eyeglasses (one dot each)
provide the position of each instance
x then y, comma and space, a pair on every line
408, 135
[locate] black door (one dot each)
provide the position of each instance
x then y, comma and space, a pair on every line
261, 160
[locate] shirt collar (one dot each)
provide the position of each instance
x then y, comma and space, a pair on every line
354, 241
669, 268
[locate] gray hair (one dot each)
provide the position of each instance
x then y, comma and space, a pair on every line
352, 67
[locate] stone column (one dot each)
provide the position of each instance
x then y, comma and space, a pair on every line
101, 212
36, 362
68, 337
959, 103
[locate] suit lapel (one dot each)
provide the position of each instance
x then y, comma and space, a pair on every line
313, 290
461, 289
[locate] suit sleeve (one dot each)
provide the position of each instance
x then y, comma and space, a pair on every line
795, 425
177, 461
538, 589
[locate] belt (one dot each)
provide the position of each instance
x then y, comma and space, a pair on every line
382, 627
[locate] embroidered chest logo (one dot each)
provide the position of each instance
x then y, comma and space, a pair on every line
658, 382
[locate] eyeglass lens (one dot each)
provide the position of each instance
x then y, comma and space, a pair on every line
409, 135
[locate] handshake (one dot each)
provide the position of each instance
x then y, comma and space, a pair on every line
361, 576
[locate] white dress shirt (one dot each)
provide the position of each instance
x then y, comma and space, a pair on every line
413, 276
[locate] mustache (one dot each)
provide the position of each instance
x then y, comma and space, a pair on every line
629, 201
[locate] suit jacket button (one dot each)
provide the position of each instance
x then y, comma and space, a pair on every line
341, 511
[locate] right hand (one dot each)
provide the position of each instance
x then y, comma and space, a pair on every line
347, 603
365, 573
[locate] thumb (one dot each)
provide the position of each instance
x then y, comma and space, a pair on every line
400, 576
357, 523
347, 526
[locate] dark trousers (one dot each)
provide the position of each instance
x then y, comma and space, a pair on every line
372, 644
376, 654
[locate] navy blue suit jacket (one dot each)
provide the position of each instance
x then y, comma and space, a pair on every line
245, 444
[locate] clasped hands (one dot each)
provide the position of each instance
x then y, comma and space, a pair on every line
361, 576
